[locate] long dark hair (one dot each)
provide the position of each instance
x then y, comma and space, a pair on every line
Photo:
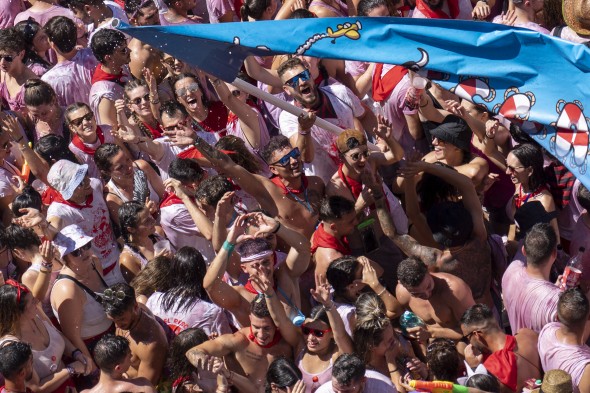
128, 216
28, 29
531, 155
188, 269
283, 373
177, 361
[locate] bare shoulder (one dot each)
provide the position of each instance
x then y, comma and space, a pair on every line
315, 182
455, 284
527, 335
336, 186
402, 295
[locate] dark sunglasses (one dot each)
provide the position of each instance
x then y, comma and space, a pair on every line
111, 295
138, 100
467, 338
286, 159
315, 332
7, 58
303, 76
78, 252
78, 122
357, 156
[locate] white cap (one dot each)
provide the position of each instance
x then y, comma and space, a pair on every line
70, 238
65, 176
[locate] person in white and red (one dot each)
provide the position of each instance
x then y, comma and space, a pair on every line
444, 9
80, 201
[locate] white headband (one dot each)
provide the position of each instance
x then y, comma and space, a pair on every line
254, 257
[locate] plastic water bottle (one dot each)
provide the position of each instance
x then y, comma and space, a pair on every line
410, 320
573, 271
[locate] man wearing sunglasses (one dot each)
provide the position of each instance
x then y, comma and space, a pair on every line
511, 359
335, 103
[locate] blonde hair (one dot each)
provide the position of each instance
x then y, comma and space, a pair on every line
371, 323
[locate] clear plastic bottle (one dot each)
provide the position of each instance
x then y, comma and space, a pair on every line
410, 320
412, 99
573, 271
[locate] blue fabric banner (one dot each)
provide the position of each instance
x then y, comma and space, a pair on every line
539, 82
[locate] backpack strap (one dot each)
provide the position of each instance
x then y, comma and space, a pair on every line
82, 286
557, 31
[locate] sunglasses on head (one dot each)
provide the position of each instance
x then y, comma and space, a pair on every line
78, 252
78, 122
7, 58
286, 159
302, 76
138, 100
315, 332
111, 295
189, 89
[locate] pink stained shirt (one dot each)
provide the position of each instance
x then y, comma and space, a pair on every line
554, 355
15, 103
104, 90
581, 238
530, 302
43, 16
465, 9
9, 9
569, 35
71, 79
218, 8
528, 25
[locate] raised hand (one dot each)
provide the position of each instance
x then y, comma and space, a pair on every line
150, 80
264, 223
455, 108
508, 18
299, 387
492, 126
225, 205
411, 169
383, 129
127, 135
262, 282
151, 205
239, 229
322, 292
32, 217
12, 126
481, 10
47, 252
369, 276
176, 186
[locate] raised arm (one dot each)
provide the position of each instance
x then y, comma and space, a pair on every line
395, 151
203, 223
393, 308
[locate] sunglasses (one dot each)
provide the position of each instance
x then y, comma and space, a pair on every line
514, 168
78, 252
357, 156
315, 332
7, 58
111, 295
189, 89
138, 100
286, 159
21, 290
169, 61
302, 76
467, 338
78, 122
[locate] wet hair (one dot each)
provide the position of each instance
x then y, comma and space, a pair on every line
276, 143
38, 92
573, 307
451, 224
72, 108
485, 382
584, 197
11, 309
188, 269
110, 351
443, 359
241, 155
19, 237
364, 7
103, 156
13, 358
283, 373
11, 40
177, 361
29, 197
433, 189
302, 13
348, 368
253, 246
185, 75
254, 9
335, 207
62, 32
258, 307
172, 109
530, 155
28, 29
371, 323
53, 148
290, 64
186, 170
478, 315
105, 42
539, 243
154, 277
340, 273
115, 307
212, 189
128, 218
411, 272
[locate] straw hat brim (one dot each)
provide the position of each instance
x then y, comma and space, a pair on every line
570, 18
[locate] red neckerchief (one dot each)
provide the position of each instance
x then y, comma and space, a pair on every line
101, 75
217, 119
275, 340
180, 381
172, 199
321, 238
156, 132
88, 150
318, 81
325, 110
48, 196
286, 190
502, 363
354, 186
59, 199
193, 153
250, 288
383, 86
438, 13
521, 198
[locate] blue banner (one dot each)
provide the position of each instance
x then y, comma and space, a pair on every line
539, 82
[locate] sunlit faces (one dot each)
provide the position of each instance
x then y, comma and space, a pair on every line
300, 87
176, 66
388, 340
264, 265
43, 112
139, 101
424, 290
146, 224
317, 334
354, 289
121, 55
519, 174
263, 329
286, 162
352, 387
345, 225
83, 124
442, 149
147, 16
9, 60
83, 190
189, 94
126, 320
357, 158
173, 123
121, 167
41, 42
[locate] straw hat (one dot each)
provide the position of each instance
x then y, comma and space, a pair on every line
556, 381
576, 14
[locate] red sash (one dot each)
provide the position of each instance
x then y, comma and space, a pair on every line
101, 75
502, 363
355, 187
48, 196
88, 150
323, 239
438, 13
285, 190
383, 86
193, 153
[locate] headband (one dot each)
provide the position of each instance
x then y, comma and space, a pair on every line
254, 257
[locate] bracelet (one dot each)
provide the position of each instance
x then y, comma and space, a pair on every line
382, 292
393, 371
44, 271
277, 228
71, 370
328, 308
74, 352
155, 102
304, 133
227, 246
267, 296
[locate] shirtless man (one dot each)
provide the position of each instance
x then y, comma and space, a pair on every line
250, 350
257, 255
439, 299
147, 340
290, 195
113, 356
498, 352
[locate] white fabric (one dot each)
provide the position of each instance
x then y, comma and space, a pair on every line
88, 159
375, 383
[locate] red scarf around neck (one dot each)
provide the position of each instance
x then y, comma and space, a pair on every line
383, 86
321, 238
275, 340
171, 199
439, 13
502, 363
193, 153
80, 144
355, 186
102, 75
59, 198
286, 190
156, 132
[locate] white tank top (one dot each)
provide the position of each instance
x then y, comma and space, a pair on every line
47, 361
117, 191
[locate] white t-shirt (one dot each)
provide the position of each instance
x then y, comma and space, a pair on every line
376, 383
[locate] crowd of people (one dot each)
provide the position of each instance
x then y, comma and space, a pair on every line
164, 231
